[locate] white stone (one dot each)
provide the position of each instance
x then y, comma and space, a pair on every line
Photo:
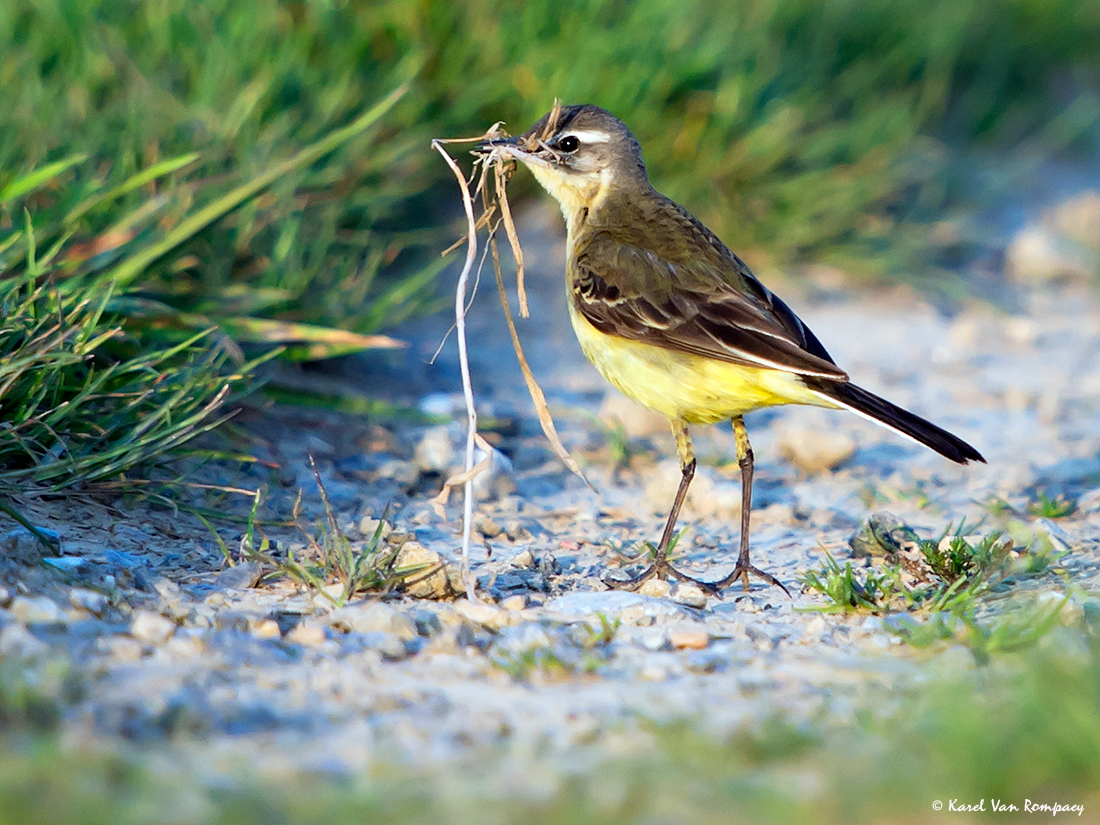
36, 610
151, 628
435, 452
16, 640
89, 600
689, 594
376, 617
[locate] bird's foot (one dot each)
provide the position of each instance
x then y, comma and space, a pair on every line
660, 569
742, 571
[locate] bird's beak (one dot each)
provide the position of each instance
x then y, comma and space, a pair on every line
487, 146
512, 147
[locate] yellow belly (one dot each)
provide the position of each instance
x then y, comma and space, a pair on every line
687, 387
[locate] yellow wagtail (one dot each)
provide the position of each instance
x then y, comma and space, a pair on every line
675, 320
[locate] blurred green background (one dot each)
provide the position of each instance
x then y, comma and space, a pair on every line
800, 129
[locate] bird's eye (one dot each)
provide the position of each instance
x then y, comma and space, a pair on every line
569, 143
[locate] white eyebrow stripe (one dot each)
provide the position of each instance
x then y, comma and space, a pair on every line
587, 136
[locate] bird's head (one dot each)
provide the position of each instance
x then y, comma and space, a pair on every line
578, 154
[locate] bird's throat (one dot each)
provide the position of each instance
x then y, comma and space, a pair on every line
579, 194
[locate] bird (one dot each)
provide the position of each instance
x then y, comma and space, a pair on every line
672, 318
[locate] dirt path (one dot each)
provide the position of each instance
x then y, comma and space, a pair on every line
201, 670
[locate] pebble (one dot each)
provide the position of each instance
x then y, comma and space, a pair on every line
496, 481
815, 450
630, 608
36, 610
488, 616
151, 628
266, 629
524, 559
183, 646
656, 588
487, 526
1078, 218
368, 526
404, 473
21, 544
308, 633
120, 648
1037, 255
240, 576
689, 594
120, 558
689, 637
394, 649
16, 640
432, 580
376, 617
517, 602
1070, 614
636, 420
89, 600
441, 404
232, 620
706, 661
73, 565
435, 451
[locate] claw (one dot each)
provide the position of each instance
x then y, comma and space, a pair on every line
743, 571
710, 588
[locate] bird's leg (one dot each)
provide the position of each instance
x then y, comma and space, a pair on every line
660, 564
744, 569
687, 473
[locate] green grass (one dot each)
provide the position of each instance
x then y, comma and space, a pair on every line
946, 573
330, 564
955, 589
81, 401
101, 375
1057, 507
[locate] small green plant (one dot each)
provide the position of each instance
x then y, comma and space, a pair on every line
847, 589
602, 635
944, 579
1007, 631
1057, 507
645, 549
577, 648
998, 506
530, 664
33, 693
936, 574
618, 445
330, 556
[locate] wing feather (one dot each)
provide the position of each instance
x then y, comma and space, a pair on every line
711, 306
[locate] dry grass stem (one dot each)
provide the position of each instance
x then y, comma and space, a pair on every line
500, 181
499, 161
440, 501
467, 389
546, 421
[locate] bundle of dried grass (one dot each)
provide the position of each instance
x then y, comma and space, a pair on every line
496, 211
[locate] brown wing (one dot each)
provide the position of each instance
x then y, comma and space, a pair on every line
711, 305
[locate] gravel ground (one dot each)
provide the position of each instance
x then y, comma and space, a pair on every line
199, 665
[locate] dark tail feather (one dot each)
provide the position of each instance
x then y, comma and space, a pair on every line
869, 405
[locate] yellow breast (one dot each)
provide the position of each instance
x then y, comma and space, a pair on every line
683, 386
